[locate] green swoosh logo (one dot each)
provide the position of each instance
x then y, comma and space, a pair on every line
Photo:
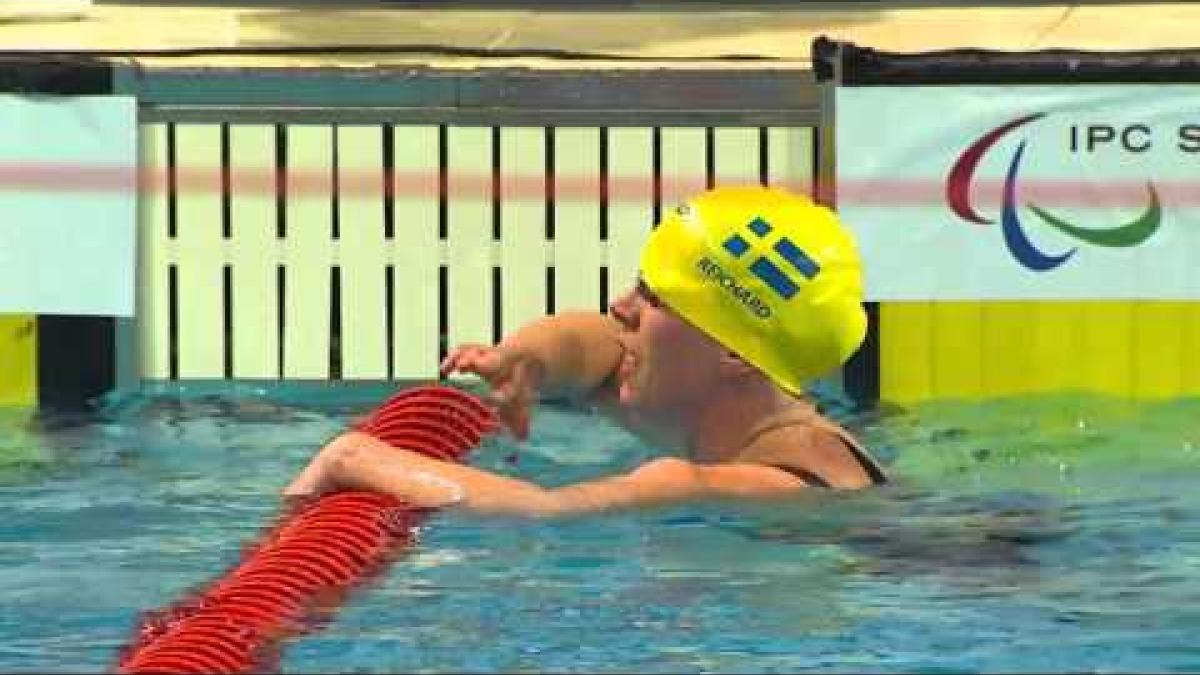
1130, 234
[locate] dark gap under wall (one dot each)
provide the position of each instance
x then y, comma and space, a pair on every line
76, 354
69, 375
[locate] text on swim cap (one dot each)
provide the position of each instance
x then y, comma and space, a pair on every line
747, 297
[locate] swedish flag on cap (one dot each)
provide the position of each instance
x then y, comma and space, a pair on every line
770, 275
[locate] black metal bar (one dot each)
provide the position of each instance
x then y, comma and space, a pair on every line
853, 65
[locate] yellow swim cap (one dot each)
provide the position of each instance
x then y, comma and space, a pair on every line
770, 275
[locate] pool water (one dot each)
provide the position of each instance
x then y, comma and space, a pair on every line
1038, 534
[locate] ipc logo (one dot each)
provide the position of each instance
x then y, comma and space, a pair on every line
767, 271
1018, 242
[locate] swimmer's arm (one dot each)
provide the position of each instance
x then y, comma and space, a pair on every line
671, 480
575, 353
579, 350
365, 463
358, 461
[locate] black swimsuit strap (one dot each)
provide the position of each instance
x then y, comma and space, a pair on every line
805, 475
868, 465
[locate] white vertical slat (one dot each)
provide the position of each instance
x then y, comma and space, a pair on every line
469, 236
790, 158
683, 165
200, 305
307, 251
630, 203
152, 299
736, 155
254, 251
361, 251
522, 226
577, 219
415, 251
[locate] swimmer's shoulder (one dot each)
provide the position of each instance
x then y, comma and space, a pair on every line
818, 451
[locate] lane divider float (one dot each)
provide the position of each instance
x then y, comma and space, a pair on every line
293, 579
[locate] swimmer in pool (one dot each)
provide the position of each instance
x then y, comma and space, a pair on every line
745, 294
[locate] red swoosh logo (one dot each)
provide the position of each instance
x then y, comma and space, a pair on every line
958, 182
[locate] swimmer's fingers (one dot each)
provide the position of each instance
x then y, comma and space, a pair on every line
518, 423
513, 401
470, 358
457, 358
513, 377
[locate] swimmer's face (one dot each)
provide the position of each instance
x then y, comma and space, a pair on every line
668, 363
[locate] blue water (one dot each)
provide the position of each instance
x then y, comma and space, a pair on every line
1036, 534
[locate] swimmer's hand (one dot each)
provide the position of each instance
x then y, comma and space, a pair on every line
358, 461
515, 376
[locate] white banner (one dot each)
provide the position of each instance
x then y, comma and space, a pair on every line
1022, 192
67, 204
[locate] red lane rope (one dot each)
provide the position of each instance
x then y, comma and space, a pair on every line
302, 568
